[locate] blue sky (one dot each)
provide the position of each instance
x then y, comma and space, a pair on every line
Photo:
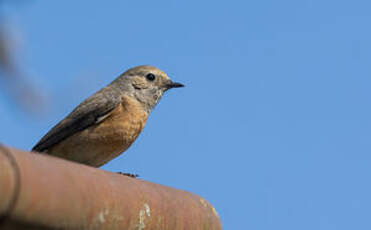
274, 126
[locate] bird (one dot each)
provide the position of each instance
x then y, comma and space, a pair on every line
106, 124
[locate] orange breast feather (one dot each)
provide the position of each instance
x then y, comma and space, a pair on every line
102, 142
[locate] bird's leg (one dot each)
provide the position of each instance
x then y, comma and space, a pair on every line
129, 174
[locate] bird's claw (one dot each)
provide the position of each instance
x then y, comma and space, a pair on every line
129, 174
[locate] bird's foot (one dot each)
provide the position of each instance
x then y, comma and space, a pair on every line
129, 174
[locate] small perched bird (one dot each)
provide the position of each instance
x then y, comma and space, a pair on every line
108, 122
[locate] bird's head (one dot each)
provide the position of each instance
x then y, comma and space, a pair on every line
147, 84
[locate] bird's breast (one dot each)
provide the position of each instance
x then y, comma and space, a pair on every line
123, 125
104, 141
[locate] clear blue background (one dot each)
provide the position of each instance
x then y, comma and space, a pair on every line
274, 126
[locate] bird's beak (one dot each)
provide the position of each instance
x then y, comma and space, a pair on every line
172, 84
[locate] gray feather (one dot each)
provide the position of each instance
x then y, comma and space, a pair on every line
91, 111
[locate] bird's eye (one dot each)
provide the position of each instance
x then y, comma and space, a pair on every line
150, 77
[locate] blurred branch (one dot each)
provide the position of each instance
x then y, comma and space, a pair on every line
15, 83
5, 63
59, 194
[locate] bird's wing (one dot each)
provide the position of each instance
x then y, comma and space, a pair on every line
91, 111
